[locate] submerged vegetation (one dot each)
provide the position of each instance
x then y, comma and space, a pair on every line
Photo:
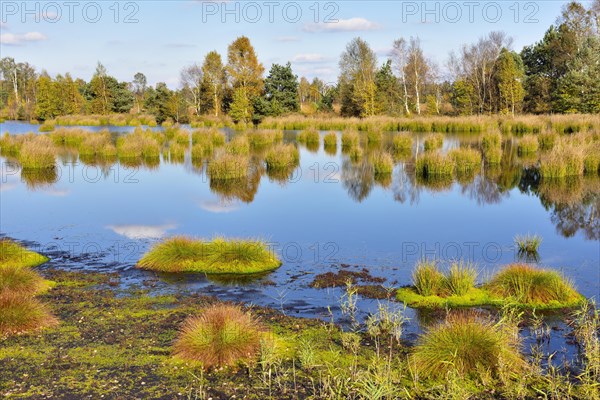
219, 256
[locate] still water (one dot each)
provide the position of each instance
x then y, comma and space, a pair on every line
329, 214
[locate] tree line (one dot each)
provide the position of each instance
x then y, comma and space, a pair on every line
558, 74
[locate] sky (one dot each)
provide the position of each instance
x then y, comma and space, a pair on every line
159, 38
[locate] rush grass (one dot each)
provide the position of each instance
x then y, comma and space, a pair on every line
228, 166
223, 335
434, 164
219, 256
282, 157
37, 154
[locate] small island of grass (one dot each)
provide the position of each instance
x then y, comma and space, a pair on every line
14, 255
521, 285
219, 256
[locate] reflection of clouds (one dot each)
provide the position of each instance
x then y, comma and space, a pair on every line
56, 192
141, 231
6, 186
216, 206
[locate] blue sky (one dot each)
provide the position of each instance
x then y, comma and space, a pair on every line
169, 35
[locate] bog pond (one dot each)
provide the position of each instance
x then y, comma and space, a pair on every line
329, 214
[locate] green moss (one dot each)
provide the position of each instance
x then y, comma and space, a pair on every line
474, 297
13, 254
219, 256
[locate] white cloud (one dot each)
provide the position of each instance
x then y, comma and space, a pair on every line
219, 207
286, 39
141, 231
343, 25
15, 39
310, 58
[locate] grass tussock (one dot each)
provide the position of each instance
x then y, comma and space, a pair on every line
200, 151
114, 119
228, 166
491, 147
20, 314
467, 345
528, 144
466, 160
402, 142
239, 145
355, 153
529, 285
70, 137
383, 163
427, 279
433, 142
261, 137
528, 244
222, 335
97, 145
547, 140
330, 140
308, 136
374, 136
350, 139
139, 144
282, 157
20, 282
219, 256
434, 164
209, 136
38, 154
562, 161
14, 255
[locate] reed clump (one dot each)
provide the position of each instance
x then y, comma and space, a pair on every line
222, 335
563, 160
466, 344
308, 136
37, 154
434, 164
219, 256
228, 166
350, 139
532, 286
383, 163
402, 142
433, 142
466, 160
282, 157
239, 145
528, 144
330, 140
212, 136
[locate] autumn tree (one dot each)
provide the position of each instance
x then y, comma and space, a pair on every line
399, 56
509, 75
246, 75
191, 78
214, 78
357, 79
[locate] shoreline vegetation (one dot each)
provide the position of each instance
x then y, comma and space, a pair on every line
517, 285
159, 345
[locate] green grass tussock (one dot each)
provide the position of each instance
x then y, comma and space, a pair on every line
20, 282
562, 161
222, 335
239, 145
330, 140
528, 244
20, 314
434, 164
308, 136
383, 163
228, 166
212, 136
350, 139
219, 256
466, 160
528, 144
427, 279
282, 157
261, 137
466, 344
37, 154
433, 142
532, 286
402, 142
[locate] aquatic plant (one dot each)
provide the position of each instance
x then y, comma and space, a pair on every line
529, 285
383, 164
374, 136
460, 279
308, 136
433, 142
239, 145
330, 140
434, 164
138, 144
562, 161
219, 256
201, 151
528, 244
355, 153
262, 138
350, 139
97, 144
427, 279
402, 142
466, 344
10, 145
528, 144
491, 140
69, 136
466, 160
282, 156
228, 166
547, 140
38, 153
210, 135
222, 335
